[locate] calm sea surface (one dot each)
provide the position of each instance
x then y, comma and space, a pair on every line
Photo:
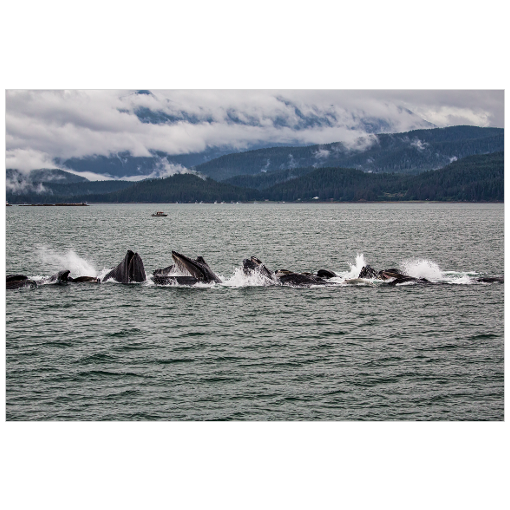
243, 351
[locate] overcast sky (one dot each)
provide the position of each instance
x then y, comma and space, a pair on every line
43, 125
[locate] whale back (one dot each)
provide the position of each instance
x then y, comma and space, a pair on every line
325, 273
16, 277
287, 277
17, 281
84, 279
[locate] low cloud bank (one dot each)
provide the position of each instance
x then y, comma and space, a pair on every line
44, 125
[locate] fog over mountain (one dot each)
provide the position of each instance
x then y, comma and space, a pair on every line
104, 134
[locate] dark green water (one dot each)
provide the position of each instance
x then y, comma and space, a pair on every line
243, 351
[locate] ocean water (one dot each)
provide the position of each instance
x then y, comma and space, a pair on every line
241, 350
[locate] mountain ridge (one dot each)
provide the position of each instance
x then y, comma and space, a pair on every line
475, 178
407, 152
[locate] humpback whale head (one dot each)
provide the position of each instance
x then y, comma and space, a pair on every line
59, 278
253, 264
136, 269
129, 270
387, 274
197, 268
368, 272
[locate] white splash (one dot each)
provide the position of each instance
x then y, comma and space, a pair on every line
69, 260
463, 279
240, 279
422, 268
358, 266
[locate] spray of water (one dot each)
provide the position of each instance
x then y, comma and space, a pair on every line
357, 267
69, 260
240, 279
421, 268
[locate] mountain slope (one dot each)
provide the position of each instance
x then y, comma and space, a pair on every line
48, 192
476, 178
264, 180
177, 188
43, 175
410, 152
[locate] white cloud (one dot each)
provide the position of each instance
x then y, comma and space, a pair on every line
42, 125
20, 183
418, 144
450, 115
163, 168
25, 160
322, 154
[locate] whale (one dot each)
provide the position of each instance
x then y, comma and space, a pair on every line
391, 276
185, 271
129, 270
325, 273
286, 277
253, 265
60, 278
491, 279
18, 281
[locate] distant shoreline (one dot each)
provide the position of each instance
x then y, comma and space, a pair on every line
268, 202
50, 205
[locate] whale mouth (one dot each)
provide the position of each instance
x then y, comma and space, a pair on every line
253, 264
134, 269
197, 268
129, 270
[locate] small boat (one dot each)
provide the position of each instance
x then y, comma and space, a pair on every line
159, 214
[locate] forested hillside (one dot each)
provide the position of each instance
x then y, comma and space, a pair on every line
411, 152
177, 188
265, 180
50, 192
475, 178
44, 175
